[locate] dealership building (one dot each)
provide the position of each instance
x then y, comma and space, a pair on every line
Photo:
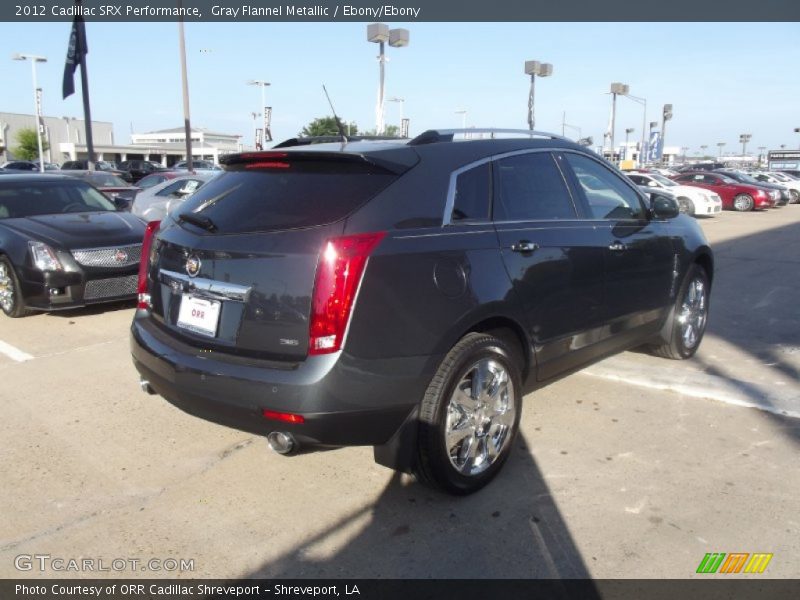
66, 140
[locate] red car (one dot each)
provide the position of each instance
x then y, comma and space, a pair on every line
734, 195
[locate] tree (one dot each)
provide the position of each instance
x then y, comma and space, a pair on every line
388, 131
325, 126
27, 148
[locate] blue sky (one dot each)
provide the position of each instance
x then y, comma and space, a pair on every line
723, 79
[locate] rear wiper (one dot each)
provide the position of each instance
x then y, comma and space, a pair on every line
200, 221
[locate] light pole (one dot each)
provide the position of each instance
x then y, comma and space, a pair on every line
263, 85
616, 89
402, 103
534, 68
703, 150
743, 139
797, 130
565, 125
36, 101
685, 149
628, 131
643, 102
720, 145
761, 154
463, 113
379, 33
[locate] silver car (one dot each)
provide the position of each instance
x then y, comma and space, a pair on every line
154, 203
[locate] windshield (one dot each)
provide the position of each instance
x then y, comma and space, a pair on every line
106, 180
662, 180
21, 199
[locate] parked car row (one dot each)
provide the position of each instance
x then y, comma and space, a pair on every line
707, 191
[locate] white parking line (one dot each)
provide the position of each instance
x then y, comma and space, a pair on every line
14, 353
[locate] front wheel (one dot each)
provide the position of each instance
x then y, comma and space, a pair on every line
743, 202
689, 317
795, 196
469, 416
11, 300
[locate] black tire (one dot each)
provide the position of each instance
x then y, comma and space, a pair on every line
686, 206
14, 306
435, 464
743, 202
675, 344
794, 197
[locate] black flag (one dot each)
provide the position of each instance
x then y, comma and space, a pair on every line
75, 54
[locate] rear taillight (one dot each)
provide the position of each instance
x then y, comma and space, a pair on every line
341, 266
144, 264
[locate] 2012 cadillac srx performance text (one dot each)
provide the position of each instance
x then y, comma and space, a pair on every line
407, 294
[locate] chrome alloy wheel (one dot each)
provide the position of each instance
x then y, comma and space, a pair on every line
694, 311
480, 417
6, 289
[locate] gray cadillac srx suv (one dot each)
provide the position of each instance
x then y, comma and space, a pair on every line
406, 294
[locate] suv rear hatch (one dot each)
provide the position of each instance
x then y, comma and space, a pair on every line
233, 269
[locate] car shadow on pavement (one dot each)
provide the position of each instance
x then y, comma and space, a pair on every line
94, 309
510, 529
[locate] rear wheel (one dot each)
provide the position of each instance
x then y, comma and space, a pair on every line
689, 317
11, 300
743, 202
686, 206
469, 416
795, 196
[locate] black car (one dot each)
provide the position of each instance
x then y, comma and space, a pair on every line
99, 165
63, 244
780, 194
406, 294
21, 165
140, 168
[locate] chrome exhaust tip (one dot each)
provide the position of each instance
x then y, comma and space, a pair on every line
282, 442
146, 388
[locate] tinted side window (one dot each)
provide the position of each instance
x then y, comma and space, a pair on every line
638, 179
609, 197
530, 187
473, 194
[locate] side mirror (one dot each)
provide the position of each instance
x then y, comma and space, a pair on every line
652, 183
664, 207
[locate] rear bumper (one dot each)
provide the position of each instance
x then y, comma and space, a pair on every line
344, 400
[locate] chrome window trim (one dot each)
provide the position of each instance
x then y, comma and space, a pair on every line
451, 188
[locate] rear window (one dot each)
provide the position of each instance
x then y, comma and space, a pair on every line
286, 195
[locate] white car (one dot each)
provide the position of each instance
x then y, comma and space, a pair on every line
154, 203
691, 200
786, 181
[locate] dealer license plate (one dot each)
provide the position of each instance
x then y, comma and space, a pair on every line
199, 315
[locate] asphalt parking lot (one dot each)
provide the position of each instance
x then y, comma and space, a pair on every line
636, 467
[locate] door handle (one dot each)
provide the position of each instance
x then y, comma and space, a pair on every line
617, 246
525, 246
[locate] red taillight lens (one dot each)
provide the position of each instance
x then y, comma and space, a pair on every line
285, 417
341, 265
144, 264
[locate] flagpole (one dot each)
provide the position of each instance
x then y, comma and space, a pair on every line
87, 111
185, 84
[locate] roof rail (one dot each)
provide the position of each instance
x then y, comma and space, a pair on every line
446, 135
327, 139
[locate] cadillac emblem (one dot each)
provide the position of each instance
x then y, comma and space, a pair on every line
120, 257
193, 265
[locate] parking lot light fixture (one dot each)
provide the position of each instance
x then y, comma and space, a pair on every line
379, 33
743, 139
463, 113
534, 68
37, 105
797, 130
628, 131
720, 145
402, 103
617, 89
